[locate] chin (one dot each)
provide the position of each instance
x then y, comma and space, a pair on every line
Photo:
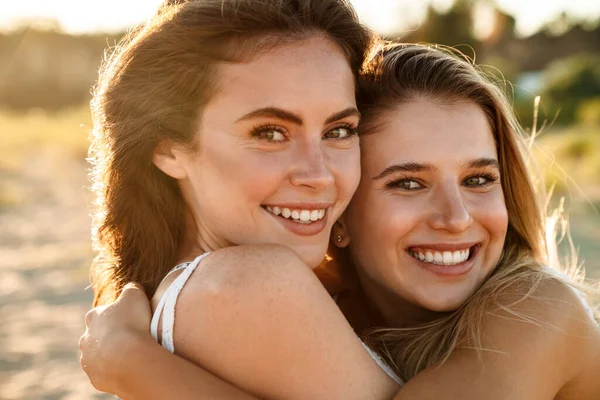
451, 303
312, 256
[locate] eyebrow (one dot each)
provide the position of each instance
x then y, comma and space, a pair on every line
279, 113
422, 167
406, 167
484, 162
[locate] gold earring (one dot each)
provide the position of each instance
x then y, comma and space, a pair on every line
339, 238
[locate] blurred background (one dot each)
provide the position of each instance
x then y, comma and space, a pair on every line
50, 52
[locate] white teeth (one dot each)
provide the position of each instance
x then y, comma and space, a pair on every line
456, 257
447, 257
303, 216
442, 258
314, 215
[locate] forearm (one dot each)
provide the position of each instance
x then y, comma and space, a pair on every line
154, 373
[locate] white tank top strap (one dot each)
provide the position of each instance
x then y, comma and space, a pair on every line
166, 305
382, 364
166, 309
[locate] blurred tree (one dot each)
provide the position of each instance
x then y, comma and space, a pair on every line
568, 82
453, 27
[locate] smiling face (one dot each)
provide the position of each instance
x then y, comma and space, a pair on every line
428, 221
278, 155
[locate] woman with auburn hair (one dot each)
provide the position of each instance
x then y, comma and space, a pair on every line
446, 240
227, 129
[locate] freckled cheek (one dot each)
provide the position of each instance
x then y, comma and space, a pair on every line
264, 176
345, 169
389, 220
490, 212
251, 176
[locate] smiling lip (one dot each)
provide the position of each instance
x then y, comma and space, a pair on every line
444, 246
448, 270
298, 228
301, 205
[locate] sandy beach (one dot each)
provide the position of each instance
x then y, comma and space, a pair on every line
45, 255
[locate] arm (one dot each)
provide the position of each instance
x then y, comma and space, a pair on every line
120, 357
259, 318
557, 358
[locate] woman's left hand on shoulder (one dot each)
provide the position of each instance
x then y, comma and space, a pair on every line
111, 330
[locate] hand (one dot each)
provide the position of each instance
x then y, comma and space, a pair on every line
112, 332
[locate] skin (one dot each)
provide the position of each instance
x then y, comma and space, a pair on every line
417, 195
303, 156
553, 360
279, 132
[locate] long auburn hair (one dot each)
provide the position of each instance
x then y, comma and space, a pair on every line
152, 87
398, 73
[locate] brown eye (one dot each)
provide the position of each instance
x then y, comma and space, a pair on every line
475, 181
480, 180
270, 134
404, 184
341, 132
410, 185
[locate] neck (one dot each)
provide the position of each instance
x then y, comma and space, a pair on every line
197, 240
395, 311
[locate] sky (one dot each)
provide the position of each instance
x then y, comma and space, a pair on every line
84, 16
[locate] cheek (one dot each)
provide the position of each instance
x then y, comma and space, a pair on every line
492, 215
382, 221
234, 175
345, 168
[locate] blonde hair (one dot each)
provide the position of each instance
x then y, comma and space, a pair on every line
152, 88
398, 74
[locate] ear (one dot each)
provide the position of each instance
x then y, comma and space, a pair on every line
169, 159
339, 233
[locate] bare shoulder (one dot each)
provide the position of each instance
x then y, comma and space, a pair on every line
546, 329
246, 260
550, 305
248, 313
537, 342
239, 271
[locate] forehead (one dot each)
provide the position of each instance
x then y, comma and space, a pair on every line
309, 73
422, 130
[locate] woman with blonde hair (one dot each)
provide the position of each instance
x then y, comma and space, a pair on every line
445, 236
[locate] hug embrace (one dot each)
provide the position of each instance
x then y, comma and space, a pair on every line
310, 212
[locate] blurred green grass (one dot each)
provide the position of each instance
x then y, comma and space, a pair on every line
26, 133
569, 158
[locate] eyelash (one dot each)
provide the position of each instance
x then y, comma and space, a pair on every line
352, 131
489, 179
258, 130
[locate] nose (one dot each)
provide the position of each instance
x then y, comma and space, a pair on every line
310, 167
450, 213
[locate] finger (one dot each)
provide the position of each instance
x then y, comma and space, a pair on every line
134, 285
82, 340
133, 289
89, 317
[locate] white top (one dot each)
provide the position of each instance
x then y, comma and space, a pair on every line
166, 309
